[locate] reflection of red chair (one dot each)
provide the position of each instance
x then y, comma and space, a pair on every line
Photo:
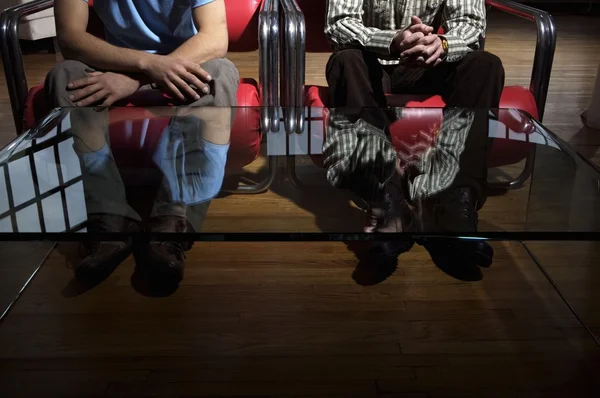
243, 18
308, 17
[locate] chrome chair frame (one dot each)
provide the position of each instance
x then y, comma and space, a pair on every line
293, 73
268, 43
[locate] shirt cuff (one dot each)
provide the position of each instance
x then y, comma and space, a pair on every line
199, 3
457, 48
380, 42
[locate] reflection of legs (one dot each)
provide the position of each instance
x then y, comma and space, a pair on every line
473, 84
192, 156
477, 85
104, 191
193, 151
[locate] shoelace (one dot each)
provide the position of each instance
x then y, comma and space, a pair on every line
465, 212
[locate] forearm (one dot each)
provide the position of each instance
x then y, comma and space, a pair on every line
461, 41
345, 29
353, 34
101, 55
203, 47
464, 26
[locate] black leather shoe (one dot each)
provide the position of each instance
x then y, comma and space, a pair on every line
452, 211
456, 211
167, 259
393, 214
99, 259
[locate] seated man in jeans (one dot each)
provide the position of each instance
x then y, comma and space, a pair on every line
392, 46
173, 47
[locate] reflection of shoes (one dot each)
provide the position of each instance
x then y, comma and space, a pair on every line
167, 259
393, 214
101, 258
456, 258
455, 211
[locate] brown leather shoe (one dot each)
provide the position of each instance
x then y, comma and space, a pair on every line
167, 259
101, 258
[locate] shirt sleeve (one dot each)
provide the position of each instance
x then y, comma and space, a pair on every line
345, 28
199, 3
464, 24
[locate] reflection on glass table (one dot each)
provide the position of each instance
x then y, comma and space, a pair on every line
516, 178
444, 178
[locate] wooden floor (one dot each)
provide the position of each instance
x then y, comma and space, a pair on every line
290, 319
298, 319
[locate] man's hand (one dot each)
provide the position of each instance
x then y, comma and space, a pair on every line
180, 78
418, 46
426, 52
408, 37
103, 88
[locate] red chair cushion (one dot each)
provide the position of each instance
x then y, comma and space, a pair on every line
503, 152
245, 132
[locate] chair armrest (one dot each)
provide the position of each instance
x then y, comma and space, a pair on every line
268, 42
544, 49
12, 57
293, 65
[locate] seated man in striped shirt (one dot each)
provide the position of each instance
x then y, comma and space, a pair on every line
394, 46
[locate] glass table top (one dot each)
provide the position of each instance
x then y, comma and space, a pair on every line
350, 174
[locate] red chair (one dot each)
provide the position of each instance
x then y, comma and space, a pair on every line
252, 26
304, 26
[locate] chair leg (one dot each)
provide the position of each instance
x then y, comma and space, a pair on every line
522, 178
290, 168
261, 186
53, 47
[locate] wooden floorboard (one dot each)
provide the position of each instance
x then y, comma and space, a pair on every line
18, 260
291, 319
263, 320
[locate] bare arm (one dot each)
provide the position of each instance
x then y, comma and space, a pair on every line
176, 72
71, 18
212, 39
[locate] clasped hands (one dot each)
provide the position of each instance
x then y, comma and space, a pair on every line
418, 46
181, 79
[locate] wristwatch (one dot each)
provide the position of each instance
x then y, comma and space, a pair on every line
444, 46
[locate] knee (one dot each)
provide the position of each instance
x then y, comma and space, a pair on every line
59, 77
225, 77
348, 58
486, 61
66, 70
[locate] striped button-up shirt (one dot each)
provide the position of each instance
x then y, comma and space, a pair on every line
372, 24
356, 152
